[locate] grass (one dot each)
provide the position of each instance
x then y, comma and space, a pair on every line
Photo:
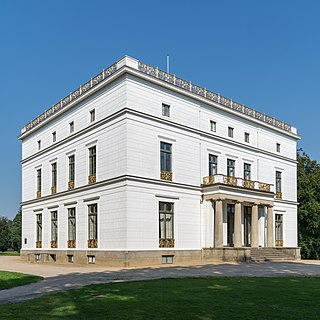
14, 279
9, 253
187, 298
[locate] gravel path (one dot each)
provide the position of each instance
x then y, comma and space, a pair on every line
64, 277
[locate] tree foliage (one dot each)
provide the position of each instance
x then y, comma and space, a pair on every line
4, 233
309, 206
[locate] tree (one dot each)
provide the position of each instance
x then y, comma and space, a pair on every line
16, 229
4, 234
309, 206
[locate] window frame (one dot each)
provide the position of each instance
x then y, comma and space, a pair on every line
54, 225
278, 147
213, 126
247, 137
54, 174
168, 231
166, 110
54, 136
231, 167
278, 181
71, 127
92, 114
165, 157
71, 168
39, 179
213, 164
230, 132
93, 224
72, 224
39, 227
246, 170
92, 158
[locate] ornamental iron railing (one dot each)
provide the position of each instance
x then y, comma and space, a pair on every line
166, 243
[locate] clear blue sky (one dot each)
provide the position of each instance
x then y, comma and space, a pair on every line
264, 54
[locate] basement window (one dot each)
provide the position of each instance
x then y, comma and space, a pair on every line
91, 259
37, 257
168, 259
70, 258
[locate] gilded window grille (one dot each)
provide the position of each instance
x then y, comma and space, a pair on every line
166, 175
71, 243
54, 244
279, 243
70, 185
38, 194
92, 243
38, 244
166, 243
279, 195
53, 189
92, 178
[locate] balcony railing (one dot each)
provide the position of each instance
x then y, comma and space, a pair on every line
92, 243
237, 182
166, 243
166, 175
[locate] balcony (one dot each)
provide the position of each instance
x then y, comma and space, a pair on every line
237, 182
70, 185
166, 175
72, 244
92, 243
166, 243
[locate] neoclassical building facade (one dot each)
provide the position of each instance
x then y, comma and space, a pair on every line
140, 167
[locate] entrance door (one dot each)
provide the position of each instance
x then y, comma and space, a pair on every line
279, 230
230, 225
247, 226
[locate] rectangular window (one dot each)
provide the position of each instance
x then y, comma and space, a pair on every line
54, 226
230, 132
167, 259
278, 146
72, 224
54, 136
246, 137
278, 181
165, 156
213, 126
213, 165
92, 115
39, 182
39, 227
279, 229
92, 222
71, 168
70, 258
230, 168
247, 171
71, 127
165, 110
92, 161
165, 220
39, 144
91, 259
54, 177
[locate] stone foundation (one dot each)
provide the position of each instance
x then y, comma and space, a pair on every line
144, 258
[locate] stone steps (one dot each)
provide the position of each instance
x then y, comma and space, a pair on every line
268, 254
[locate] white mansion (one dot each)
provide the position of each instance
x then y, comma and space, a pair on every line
140, 167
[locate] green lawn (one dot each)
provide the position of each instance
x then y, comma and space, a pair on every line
9, 253
14, 279
188, 298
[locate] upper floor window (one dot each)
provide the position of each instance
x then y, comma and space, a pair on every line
39, 183
92, 115
54, 136
54, 177
92, 164
247, 171
165, 221
230, 132
71, 171
247, 137
278, 181
213, 126
213, 165
165, 156
278, 147
71, 225
231, 168
39, 144
166, 110
71, 127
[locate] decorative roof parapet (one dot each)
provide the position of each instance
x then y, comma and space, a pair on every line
164, 76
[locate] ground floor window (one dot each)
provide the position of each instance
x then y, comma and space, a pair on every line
279, 230
92, 226
39, 227
54, 229
166, 236
71, 227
